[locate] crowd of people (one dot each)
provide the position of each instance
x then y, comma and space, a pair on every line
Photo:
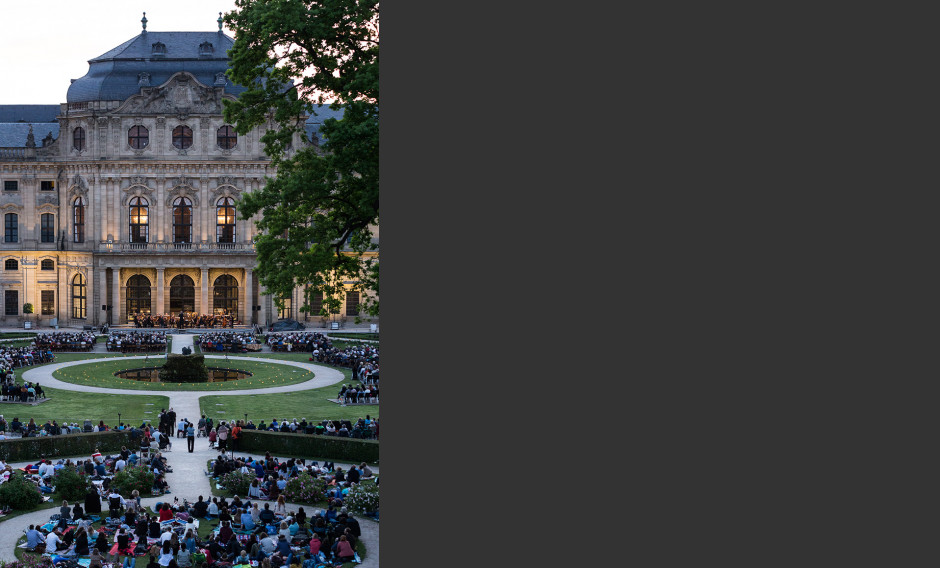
65, 340
185, 320
12, 392
233, 341
125, 341
15, 357
363, 359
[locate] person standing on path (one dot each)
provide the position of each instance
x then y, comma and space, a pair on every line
190, 436
222, 433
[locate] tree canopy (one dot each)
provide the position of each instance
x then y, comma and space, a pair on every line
318, 215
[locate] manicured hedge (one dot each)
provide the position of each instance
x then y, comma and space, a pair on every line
28, 449
309, 446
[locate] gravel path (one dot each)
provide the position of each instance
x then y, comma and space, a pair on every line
188, 479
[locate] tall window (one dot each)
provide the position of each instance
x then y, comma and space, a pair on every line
11, 228
47, 228
138, 295
78, 221
139, 220
226, 137
138, 137
78, 297
78, 138
316, 303
225, 295
352, 303
182, 294
182, 137
182, 220
11, 302
284, 313
47, 302
225, 220
47, 264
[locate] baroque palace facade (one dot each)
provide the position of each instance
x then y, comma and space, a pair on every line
124, 199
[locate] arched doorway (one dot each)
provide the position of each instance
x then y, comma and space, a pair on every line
138, 296
182, 294
225, 295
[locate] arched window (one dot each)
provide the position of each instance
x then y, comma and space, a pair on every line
225, 295
182, 137
47, 228
138, 137
138, 296
225, 220
47, 264
139, 221
78, 138
182, 220
226, 137
11, 264
182, 294
78, 297
78, 221
11, 228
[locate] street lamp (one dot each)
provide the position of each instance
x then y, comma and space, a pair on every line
119, 420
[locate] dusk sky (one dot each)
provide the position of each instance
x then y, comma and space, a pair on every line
46, 43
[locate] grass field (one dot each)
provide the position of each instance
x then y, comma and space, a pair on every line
101, 374
77, 406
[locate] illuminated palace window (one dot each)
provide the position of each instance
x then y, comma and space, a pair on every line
78, 297
139, 220
225, 220
138, 296
225, 294
182, 294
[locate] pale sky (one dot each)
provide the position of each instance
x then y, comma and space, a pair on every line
44, 44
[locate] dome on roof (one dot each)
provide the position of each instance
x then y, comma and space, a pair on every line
151, 58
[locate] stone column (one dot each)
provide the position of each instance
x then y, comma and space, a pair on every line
247, 297
116, 295
160, 288
263, 314
205, 292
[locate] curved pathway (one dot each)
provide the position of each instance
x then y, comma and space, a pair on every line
187, 479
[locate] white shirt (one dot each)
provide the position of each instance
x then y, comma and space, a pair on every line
52, 542
166, 536
119, 465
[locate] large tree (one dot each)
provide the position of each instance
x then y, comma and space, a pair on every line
319, 213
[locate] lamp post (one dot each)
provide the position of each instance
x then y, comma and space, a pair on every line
119, 420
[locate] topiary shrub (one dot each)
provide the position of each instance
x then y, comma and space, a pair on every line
304, 489
184, 369
363, 498
237, 482
70, 485
131, 478
19, 493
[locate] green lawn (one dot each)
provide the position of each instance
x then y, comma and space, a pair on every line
311, 404
77, 406
101, 374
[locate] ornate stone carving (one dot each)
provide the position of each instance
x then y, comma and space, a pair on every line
47, 199
181, 94
182, 191
137, 191
138, 180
